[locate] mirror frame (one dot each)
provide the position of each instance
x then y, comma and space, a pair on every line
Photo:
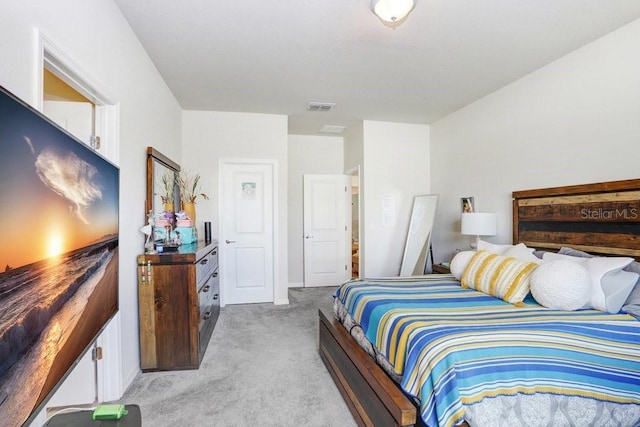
153, 157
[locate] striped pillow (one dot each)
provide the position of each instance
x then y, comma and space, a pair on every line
502, 277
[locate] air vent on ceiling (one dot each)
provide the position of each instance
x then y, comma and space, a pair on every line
320, 106
331, 129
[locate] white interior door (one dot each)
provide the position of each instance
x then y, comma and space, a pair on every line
80, 386
326, 230
247, 232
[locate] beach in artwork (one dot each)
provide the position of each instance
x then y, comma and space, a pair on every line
69, 297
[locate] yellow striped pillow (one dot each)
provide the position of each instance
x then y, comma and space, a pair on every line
502, 277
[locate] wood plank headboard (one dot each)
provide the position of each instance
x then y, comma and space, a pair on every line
601, 218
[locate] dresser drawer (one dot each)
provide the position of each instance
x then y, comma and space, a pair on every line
205, 266
209, 302
205, 299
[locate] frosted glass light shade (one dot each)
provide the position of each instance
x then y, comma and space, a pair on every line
479, 224
392, 10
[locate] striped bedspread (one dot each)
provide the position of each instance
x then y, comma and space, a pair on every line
456, 346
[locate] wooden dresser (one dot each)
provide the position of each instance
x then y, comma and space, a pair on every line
179, 303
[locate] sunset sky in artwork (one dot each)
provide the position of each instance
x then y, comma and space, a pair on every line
56, 195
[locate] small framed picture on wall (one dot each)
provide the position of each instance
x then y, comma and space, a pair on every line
467, 204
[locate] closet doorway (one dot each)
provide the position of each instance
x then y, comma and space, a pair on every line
356, 247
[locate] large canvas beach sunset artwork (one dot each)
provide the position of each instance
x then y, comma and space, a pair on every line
58, 255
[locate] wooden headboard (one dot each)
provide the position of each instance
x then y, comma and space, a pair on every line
601, 218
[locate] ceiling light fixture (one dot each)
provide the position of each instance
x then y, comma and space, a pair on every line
392, 10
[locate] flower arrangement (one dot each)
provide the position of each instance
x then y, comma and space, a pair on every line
190, 187
166, 185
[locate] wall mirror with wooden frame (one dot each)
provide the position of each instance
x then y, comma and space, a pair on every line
163, 192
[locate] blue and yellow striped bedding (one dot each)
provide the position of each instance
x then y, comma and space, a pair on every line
456, 346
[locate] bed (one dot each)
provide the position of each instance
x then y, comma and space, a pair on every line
596, 218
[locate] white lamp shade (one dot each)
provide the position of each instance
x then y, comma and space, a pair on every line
479, 224
392, 10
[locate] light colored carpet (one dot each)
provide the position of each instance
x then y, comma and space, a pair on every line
261, 367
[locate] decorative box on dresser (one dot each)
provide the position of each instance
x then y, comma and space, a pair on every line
179, 304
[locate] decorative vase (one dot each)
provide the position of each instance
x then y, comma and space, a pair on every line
168, 207
190, 209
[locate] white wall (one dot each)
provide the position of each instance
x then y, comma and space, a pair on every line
98, 39
307, 155
208, 136
353, 147
574, 121
396, 164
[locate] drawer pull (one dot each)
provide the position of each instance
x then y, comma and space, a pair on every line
206, 288
204, 261
215, 296
207, 315
215, 274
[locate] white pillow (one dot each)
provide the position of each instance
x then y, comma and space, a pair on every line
522, 253
616, 285
561, 285
610, 285
551, 256
492, 248
460, 262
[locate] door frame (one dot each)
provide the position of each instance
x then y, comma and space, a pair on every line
273, 163
108, 373
107, 118
357, 171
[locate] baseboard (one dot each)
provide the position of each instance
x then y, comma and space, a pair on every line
281, 301
296, 285
128, 380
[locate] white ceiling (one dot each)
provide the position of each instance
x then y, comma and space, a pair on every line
276, 56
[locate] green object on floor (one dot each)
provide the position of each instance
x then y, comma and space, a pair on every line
109, 412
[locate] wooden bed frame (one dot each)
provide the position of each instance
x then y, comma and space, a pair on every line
373, 398
599, 218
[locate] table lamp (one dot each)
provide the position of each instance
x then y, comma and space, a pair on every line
478, 224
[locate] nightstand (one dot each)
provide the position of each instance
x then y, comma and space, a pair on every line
441, 269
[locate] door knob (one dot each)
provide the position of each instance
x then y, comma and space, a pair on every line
230, 241
308, 236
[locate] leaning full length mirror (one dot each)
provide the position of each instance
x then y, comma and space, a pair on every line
416, 249
162, 189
